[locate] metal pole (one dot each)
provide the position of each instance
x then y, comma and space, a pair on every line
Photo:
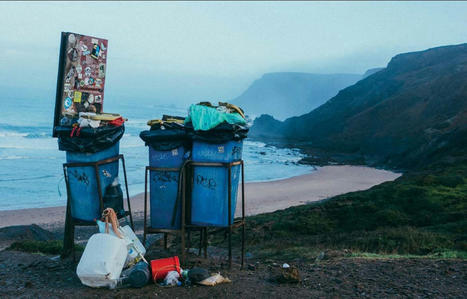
68, 238
243, 214
145, 204
127, 192
99, 191
230, 213
182, 220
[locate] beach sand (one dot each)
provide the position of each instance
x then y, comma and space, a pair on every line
260, 198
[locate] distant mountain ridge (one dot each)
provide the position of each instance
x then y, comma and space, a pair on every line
289, 94
413, 110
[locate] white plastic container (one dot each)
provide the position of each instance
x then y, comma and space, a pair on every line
102, 261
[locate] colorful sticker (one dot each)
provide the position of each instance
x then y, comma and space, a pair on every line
91, 99
101, 70
84, 47
87, 71
73, 54
175, 152
220, 149
77, 97
91, 81
94, 41
98, 82
86, 52
98, 99
71, 39
95, 51
86, 81
79, 68
67, 103
80, 76
67, 87
81, 83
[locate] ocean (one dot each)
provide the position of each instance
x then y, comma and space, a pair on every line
31, 174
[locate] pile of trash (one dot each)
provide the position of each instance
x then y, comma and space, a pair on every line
90, 132
114, 258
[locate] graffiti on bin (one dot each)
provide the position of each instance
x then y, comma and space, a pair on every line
236, 151
82, 178
165, 176
205, 182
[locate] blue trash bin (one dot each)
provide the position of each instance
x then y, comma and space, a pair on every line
164, 187
209, 197
83, 183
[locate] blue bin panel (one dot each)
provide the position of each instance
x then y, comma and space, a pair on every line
164, 188
209, 198
83, 182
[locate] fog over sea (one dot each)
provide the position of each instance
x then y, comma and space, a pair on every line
31, 172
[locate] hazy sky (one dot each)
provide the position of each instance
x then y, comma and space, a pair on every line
182, 52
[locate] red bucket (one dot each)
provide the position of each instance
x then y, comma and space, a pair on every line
161, 267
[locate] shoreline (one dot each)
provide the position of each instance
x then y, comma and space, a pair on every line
260, 197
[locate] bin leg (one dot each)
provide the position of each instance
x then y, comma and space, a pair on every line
68, 236
243, 215
205, 230
145, 206
229, 189
127, 192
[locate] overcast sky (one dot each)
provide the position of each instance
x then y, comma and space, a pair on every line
179, 51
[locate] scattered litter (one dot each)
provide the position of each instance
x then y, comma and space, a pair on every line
136, 276
289, 275
172, 279
285, 266
215, 279
196, 274
161, 267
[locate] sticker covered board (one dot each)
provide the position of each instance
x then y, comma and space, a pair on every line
81, 76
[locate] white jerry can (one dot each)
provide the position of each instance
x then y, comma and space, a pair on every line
102, 261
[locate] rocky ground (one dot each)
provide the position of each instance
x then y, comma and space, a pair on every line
41, 276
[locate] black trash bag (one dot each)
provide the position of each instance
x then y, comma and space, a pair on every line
222, 133
197, 274
113, 198
89, 140
165, 137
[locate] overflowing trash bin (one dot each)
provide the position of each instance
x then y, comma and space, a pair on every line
168, 149
217, 134
89, 139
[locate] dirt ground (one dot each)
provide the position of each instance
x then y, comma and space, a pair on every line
38, 276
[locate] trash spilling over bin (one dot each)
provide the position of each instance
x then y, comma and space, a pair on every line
217, 134
84, 143
168, 149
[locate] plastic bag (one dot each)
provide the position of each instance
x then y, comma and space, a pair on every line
89, 140
205, 118
165, 136
102, 261
113, 197
136, 250
213, 280
220, 134
172, 279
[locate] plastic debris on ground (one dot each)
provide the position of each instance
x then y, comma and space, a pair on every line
215, 279
110, 251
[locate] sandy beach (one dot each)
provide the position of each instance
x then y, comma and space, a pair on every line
261, 197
